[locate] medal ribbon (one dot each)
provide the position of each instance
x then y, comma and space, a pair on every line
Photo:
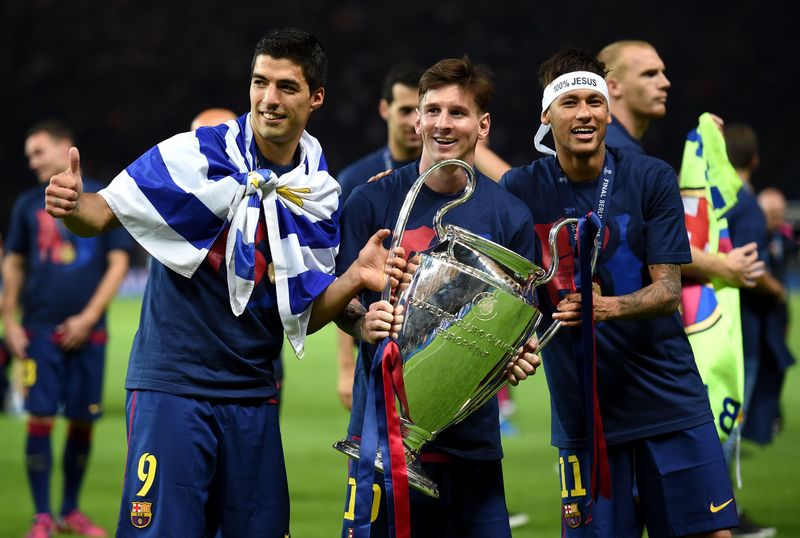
585, 350
590, 231
382, 425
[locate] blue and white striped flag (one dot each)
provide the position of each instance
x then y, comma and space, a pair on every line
181, 194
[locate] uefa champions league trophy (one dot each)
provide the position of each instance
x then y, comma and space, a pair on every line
468, 308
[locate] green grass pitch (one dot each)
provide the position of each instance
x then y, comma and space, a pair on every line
312, 419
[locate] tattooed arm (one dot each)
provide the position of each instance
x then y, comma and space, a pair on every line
373, 325
351, 319
660, 298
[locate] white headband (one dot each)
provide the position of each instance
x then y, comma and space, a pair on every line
576, 80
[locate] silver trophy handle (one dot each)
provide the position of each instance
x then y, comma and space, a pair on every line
551, 272
552, 240
405, 209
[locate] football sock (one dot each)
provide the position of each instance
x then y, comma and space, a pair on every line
39, 462
76, 455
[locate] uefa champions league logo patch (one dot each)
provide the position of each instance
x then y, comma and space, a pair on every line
483, 306
571, 514
141, 514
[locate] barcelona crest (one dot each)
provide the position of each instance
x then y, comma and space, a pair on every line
141, 514
572, 515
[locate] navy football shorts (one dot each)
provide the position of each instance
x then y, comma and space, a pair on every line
471, 504
674, 484
59, 381
198, 467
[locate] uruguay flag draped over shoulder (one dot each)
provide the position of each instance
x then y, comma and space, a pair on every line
711, 313
181, 194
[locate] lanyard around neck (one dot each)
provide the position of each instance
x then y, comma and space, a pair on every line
602, 203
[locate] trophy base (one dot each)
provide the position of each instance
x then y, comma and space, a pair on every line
416, 476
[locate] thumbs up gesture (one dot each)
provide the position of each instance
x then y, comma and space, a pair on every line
62, 194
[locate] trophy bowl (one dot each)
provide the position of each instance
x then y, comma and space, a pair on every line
467, 310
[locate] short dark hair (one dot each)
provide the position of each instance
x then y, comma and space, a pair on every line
741, 142
298, 46
567, 61
405, 73
55, 128
474, 78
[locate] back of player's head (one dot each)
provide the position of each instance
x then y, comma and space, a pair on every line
473, 78
612, 54
301, 48
405, 73
773, 199
569, 61
742, 144
212, 116
56, 129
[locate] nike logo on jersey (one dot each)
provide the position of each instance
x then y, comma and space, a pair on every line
714, 509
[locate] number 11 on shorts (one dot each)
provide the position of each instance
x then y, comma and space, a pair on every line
578, 490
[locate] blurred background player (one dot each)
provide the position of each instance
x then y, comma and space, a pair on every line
63, 284
8, 394
765, 418
398, 107
637, 87
747, 224
211, 117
